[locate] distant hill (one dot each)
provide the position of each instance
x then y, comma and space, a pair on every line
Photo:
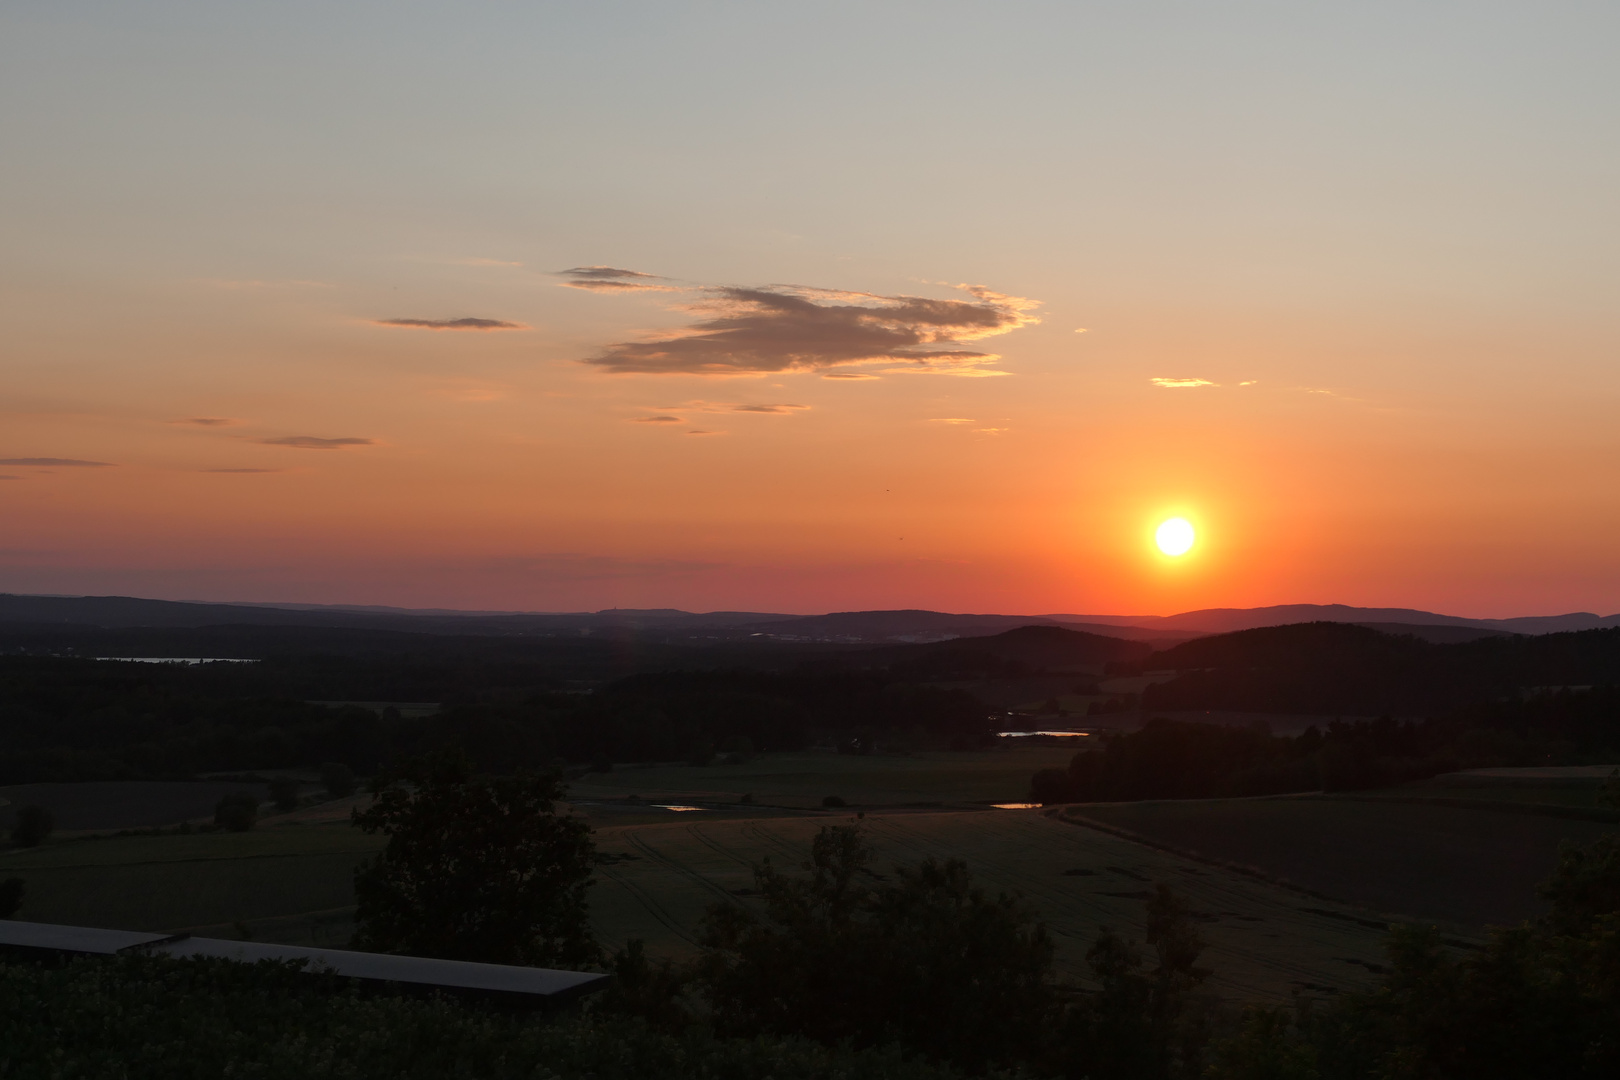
1227, 620
1029, 648
699, 628
1327, 668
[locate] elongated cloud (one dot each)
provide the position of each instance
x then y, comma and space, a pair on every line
452, 324
657, 420
612, 279
205, 421
1181, 384
788, 328
310, 442
780, 408
59, 462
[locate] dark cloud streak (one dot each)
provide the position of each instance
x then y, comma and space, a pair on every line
451, 324
50, 462
311, 442
786, 328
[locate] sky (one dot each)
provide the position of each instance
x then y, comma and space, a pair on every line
812, 307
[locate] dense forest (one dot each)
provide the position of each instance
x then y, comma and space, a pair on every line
568, 701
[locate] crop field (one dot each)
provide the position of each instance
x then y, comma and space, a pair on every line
1265, 942
122, 804
190, 882
1571, 788
804, 779
1456, 865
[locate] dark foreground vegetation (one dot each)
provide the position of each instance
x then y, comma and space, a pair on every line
846, 972
140, 1018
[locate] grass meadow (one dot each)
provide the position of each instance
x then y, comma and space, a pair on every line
802, 780
1458, 865
1265, 942
290, 880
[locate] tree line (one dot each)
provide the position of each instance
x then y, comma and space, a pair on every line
68, 719
1171, 759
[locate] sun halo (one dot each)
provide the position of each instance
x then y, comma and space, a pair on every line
1175, 536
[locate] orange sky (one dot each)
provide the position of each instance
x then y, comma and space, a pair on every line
1375, 247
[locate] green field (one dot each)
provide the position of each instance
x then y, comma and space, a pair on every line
1265, 941
193, 882
123, 804
1570, 788
801, 780
290, 880
1464, 866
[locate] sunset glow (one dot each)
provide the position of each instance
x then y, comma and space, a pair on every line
415, 333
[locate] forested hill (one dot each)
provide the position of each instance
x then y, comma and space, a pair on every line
1334, 668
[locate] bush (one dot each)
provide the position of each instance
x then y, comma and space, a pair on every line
11, 896
927, 960
238, 811
338, 779
156, 1018
476, 868
284, 793
34, 824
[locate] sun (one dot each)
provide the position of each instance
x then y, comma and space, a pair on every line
1175, 536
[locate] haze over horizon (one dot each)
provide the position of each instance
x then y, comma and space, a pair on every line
831, 308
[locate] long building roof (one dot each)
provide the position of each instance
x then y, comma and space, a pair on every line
457, 975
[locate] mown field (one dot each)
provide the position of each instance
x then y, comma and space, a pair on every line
199, 882
1577, 787
290, 880
1266, 942
122, 804
1465, 866
803, 779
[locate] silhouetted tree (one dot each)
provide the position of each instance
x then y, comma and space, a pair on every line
476, 867
237, 811
927, 960
11, 896
284, 793
1143, 1024
34, 824
338, 779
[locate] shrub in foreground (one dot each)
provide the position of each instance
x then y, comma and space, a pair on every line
149, 1017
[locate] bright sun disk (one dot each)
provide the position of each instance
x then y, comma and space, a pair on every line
1175, 536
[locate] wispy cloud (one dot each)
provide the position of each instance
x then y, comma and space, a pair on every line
1181, 384
204, 421
450, 324
613, 279
849, 375
790, 328
2, 477
774, 409
951, 420
310, 442
57, 462
243, 470
657, 420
